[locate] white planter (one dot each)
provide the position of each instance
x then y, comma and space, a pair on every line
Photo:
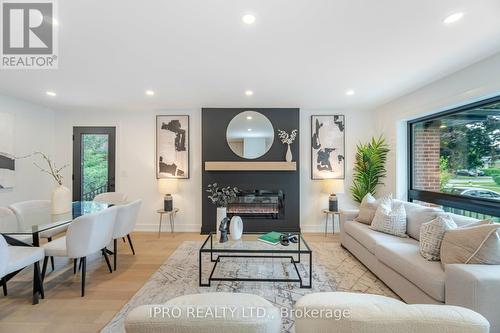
221, 214
61, 200
289, 154
236, 228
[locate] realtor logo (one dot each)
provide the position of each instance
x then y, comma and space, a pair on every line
29, 34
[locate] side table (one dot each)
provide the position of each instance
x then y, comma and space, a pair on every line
171, 214
327, 214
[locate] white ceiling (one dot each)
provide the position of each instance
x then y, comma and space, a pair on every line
299, 53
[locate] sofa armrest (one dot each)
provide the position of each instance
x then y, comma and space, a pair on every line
347, 215
476, 287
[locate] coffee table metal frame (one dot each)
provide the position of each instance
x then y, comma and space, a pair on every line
250, 253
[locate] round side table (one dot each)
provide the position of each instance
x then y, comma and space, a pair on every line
327, 214
171, 214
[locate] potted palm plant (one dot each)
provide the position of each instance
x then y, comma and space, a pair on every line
369, 167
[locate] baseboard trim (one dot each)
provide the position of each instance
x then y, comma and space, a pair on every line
166, 227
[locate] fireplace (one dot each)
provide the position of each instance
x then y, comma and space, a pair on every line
258, 204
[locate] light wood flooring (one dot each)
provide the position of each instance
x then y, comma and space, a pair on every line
63, 310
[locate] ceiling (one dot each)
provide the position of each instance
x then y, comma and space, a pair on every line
299, 53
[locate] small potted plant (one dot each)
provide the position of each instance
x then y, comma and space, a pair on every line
221, 197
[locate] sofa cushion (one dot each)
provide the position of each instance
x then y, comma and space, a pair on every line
390, 218
416, 215
370, 238
367, 209
431, 236
405, 258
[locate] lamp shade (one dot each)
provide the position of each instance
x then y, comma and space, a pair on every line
167, 186
333, 186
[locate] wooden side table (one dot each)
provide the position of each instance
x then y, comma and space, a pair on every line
171, 214
327, 214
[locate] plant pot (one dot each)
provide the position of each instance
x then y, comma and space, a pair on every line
61, 200
288, 154
221, 214
236, 228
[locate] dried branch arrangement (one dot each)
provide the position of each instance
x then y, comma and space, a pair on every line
287, 138
52, 170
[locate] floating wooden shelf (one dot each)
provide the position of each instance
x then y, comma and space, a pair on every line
250, 166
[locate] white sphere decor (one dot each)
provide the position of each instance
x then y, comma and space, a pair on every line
236, 227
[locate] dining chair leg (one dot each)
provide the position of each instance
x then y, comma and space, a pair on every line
4, 285
131, 245
38, 278
80, 265
105, 254
36, 287
51, 258
84, 270
123, 238
44, 267
74, 265
115, 252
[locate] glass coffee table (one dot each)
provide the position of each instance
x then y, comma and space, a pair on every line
248, 248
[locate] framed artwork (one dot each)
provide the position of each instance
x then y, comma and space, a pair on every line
172, 147
7, 161
327, 147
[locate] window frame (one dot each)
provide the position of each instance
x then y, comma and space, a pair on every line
479, 205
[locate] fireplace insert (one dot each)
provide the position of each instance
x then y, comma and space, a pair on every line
259, 204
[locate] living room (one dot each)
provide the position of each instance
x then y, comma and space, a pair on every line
284, 156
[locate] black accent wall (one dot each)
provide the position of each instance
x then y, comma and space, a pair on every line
215, 148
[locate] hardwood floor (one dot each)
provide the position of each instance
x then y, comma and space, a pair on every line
63, 310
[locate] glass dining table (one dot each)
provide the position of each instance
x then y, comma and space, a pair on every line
16, 234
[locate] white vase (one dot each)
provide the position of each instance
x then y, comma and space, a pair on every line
221, 214
61, 200
289, 154
236, 228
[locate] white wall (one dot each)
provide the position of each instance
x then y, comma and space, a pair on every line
359, 128
135, 174
33, 131
476, 82
135, 161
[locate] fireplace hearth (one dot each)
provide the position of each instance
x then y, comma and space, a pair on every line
258, 204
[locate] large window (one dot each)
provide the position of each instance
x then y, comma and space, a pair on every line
454, 158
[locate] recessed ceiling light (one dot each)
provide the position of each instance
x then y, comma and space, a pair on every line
349, 92
150, 92
249, 129
455, 17
51, 94
249, 93
248, 19
249, 117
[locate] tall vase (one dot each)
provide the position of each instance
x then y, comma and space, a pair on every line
289, 154
221, 214
61, 200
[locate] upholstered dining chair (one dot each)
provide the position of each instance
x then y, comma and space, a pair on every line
8, 221
15, 258
35, 212
111, 198
126, 219
86, 235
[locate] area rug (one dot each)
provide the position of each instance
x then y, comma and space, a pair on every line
334, 269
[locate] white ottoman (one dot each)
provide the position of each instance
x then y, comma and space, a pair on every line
364, 313
206, 313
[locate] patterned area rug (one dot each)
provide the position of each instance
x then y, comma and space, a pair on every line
334, 269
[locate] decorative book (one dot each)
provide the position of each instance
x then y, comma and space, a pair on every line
272, 238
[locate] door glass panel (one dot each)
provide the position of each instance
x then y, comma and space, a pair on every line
95, 165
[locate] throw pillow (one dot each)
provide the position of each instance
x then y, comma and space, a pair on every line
431, 236
390, 218
367, 209
472, 245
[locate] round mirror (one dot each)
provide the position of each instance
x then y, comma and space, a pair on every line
250, 134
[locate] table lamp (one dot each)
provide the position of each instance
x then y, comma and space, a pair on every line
333, 187
167, 187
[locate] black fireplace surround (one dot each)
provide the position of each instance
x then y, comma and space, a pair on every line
269, 200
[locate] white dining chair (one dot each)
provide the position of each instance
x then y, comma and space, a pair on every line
126, 219
8, 223
86, 235
37, 212
14, 259
111, 198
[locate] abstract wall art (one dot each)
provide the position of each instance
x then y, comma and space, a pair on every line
172, 147
7, 161
327, 147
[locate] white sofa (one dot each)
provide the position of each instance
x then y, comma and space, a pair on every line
364, 313
398, 263
207, 313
